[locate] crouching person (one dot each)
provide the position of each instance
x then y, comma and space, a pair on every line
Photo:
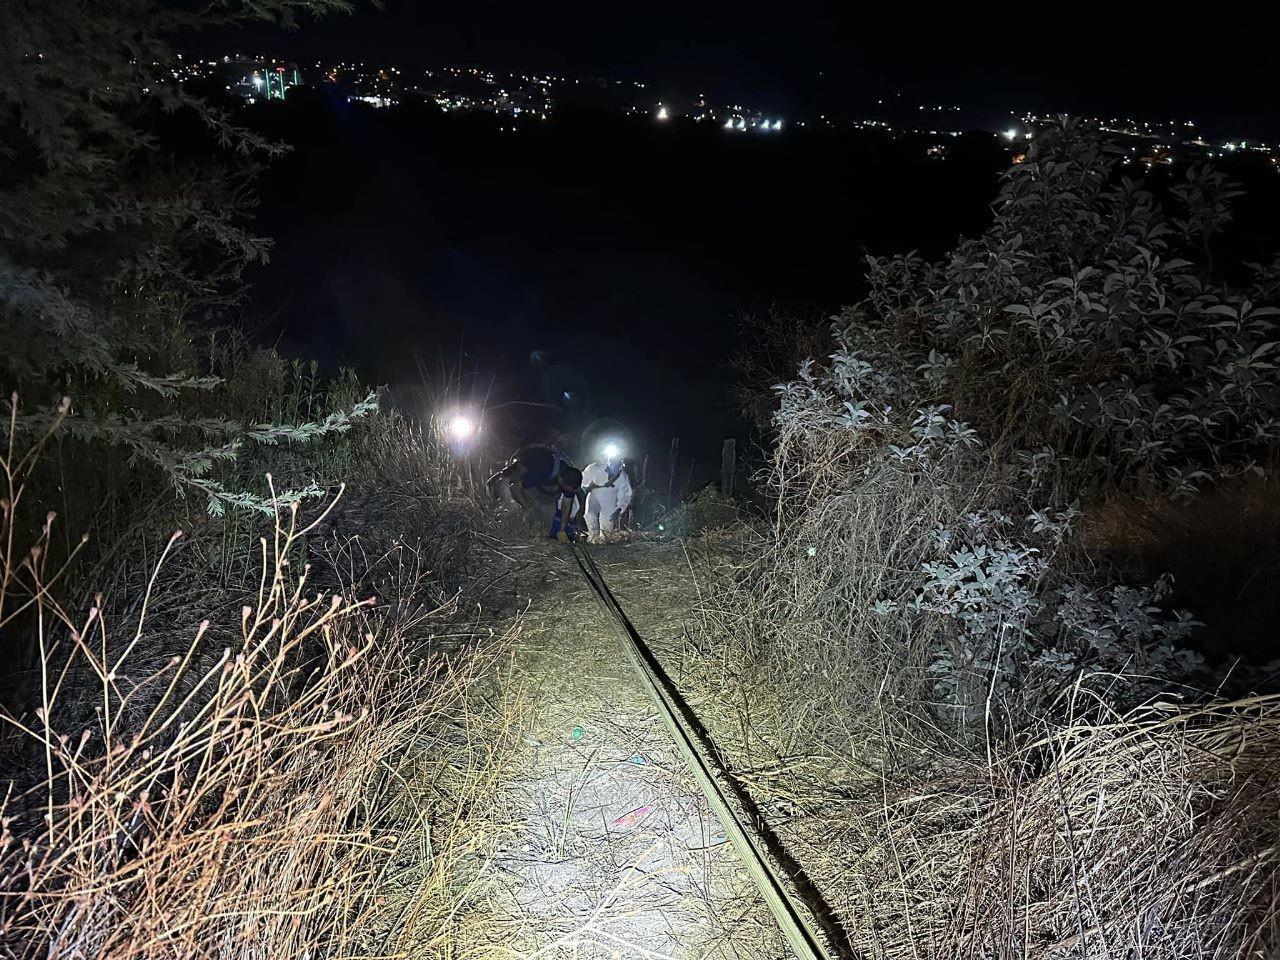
544, 469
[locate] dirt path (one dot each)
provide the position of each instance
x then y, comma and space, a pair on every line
611, 850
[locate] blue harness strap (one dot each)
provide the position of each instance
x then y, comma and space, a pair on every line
565, 504
558, 520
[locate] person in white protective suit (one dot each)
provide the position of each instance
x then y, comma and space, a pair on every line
608, 496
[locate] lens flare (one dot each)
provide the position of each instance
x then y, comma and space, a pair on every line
462, 427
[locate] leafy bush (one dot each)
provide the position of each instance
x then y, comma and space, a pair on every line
970, 584
1089, 324
1019, 755
952, 423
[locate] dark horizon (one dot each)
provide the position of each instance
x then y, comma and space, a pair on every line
816, 59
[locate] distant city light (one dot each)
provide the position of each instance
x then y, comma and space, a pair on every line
512, 96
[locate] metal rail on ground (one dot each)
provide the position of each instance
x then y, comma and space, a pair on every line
789, 894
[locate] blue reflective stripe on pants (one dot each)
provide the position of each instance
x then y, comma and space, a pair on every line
555, 524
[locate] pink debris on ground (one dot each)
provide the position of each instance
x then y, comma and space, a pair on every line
629, 820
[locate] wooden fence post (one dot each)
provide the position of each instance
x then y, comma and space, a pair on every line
675, 460
728, 466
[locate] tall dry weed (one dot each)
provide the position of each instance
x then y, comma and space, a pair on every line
298, 779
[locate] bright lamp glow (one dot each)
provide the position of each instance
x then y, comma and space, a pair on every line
1010, 133
611, 450
461, 427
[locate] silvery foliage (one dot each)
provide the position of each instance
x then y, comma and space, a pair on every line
1015, 627
1128, 629
1088, 319
210, 442
851, 394
987, 584
1020, 628
836, 398
934, 435
114, 243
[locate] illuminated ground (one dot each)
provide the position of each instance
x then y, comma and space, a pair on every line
609, 849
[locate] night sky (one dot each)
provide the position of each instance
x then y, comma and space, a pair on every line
590, 275
1213, 64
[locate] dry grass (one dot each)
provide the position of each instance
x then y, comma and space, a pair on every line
1144, 834
301, 778
1089, 827
798, 615
1147, 835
